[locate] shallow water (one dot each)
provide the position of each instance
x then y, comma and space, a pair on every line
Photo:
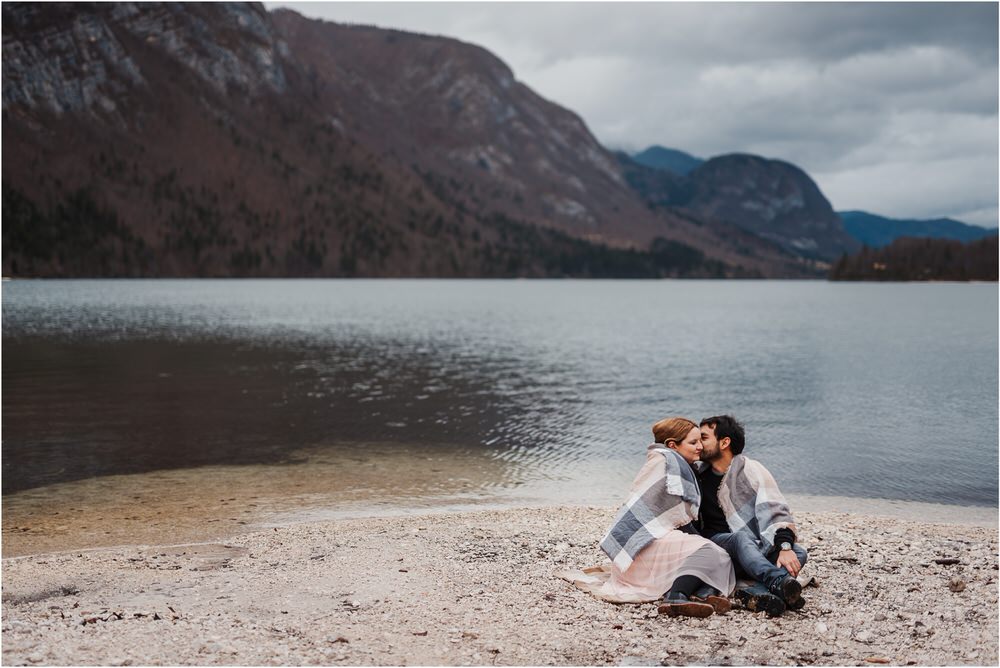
209, 502
848, 390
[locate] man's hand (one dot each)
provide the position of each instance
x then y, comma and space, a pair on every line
787, 560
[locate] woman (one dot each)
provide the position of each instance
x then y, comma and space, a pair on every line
654, 549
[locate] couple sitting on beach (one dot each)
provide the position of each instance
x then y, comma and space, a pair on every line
699, 514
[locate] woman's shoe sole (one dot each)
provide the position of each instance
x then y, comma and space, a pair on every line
689, 609
720, 604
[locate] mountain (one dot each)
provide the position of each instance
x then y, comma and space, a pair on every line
665, 191
455, 113
922, 259
668, 159
217, 139
771, 200
877, 231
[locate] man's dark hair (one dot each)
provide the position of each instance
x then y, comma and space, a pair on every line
726, 425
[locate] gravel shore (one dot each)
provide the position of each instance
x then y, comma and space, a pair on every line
479, 588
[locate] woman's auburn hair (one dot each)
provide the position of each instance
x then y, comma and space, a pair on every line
672, 429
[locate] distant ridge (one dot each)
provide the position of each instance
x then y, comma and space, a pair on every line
878, 231
668, 159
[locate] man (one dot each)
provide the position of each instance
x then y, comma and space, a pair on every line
743, 512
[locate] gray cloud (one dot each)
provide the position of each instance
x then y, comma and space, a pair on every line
891, 107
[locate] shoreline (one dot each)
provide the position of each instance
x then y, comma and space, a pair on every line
936, 513
928, 513
481, 587
119, 522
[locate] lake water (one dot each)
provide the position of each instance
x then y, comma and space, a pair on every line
500, 390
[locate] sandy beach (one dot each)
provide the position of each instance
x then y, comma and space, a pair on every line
480, 588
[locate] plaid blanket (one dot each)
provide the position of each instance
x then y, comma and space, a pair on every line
752, 502
665, 495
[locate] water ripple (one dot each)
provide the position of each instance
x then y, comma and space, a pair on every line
559, 380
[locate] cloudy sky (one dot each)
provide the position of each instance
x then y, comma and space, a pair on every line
891, 107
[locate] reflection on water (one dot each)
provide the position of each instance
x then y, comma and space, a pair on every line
846, 390
89, 409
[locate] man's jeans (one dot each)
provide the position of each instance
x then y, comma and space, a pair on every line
749, 558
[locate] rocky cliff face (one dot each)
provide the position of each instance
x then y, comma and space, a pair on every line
457, 111
69, 58
691, 197
772, 199
218, 139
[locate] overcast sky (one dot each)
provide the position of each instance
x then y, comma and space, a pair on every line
891, 107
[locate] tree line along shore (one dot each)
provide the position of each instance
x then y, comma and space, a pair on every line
918, 259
